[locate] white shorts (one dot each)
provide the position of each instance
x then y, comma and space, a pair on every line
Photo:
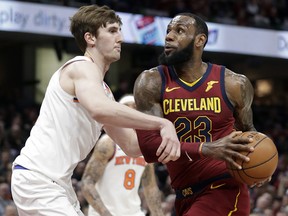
36, 195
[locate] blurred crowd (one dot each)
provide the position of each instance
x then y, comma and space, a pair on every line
17, 119
271, 14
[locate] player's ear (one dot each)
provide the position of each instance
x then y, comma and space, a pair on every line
90, 39
200, 40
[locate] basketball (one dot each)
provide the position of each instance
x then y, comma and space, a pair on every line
263, 160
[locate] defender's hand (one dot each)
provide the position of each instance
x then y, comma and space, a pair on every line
169, 148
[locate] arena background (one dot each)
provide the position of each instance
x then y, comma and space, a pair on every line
28, 59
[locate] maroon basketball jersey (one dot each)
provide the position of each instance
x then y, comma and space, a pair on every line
200, 113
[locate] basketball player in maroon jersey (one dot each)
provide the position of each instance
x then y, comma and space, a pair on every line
207, 103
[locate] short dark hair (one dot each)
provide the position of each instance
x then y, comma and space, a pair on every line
90, 19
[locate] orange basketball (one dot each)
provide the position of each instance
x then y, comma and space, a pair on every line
263, 160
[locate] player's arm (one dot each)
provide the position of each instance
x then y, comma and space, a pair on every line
87, 80
126, 138
94, 170
147, 94
240, 93
151, 191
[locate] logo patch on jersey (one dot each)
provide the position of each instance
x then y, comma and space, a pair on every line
216, 186
210, 85
190, 159
171, 89
75, 100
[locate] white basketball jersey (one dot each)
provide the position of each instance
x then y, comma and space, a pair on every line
118, 187
63, 134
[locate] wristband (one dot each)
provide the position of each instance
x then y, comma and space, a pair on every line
200, 150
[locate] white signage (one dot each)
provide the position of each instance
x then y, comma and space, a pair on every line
54, 20
35, 18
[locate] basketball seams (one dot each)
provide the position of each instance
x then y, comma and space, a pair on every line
255, 145
259, 164
230, 168
259, 141
245, 171
270, 157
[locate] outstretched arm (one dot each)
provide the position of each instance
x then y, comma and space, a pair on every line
88, 84
151, 191
94, 170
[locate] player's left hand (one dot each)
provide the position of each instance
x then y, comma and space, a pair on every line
169, 148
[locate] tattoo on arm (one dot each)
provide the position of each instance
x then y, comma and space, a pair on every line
152, 193
94, 171
147, 92
241, 94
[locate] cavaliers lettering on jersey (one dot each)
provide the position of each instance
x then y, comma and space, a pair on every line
200, 113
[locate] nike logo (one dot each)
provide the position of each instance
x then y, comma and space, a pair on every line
171, 89
216, 186
190, 159
210, 85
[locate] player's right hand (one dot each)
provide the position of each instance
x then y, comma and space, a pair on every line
228, 148
169, 148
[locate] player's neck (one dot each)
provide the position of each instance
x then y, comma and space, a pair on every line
98, 60
191, 72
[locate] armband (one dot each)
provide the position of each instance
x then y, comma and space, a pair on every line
191, 151
200, 150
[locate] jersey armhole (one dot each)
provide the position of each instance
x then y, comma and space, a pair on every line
163, 80
223, 90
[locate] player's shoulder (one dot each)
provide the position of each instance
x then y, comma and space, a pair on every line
152, 72
105, 140
235, 78
79, 65
76, 61
148, 76
147, 88
237, 85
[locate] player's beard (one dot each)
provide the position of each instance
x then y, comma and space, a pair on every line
178, 57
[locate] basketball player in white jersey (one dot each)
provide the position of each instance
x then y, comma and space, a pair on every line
76, 107
111, 180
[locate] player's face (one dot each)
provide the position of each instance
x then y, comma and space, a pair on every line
179, 41
108, 42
